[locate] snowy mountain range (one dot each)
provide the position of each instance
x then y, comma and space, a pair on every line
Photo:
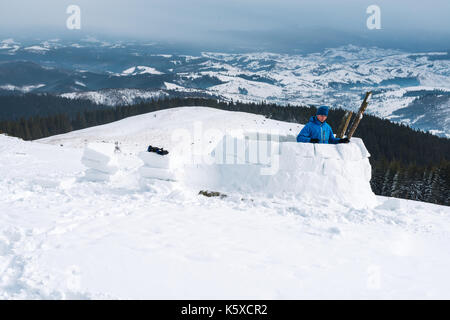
63, 236
408, 87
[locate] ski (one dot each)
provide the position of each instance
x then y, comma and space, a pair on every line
344, 124
359, 115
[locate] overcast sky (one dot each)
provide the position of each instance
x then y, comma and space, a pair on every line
199, 20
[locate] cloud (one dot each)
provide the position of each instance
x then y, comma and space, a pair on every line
205, 20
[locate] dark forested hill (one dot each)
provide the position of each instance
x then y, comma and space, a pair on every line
14, 107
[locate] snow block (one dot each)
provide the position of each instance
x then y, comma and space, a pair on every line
100, 160
95, 175
155, 160
101, 152
156, 173
364, 152
156, 166
339, 173
326, 151
99, 166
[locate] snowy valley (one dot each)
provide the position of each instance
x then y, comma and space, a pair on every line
408, 87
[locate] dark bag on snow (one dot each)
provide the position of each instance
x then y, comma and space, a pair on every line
157, 150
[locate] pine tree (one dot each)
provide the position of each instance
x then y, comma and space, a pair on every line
35, 131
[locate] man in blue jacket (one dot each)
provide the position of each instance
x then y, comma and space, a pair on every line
318, 131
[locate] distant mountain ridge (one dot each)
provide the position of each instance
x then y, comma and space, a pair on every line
125, 72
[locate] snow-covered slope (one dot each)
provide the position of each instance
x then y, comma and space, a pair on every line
115, 96
161, 128
337, 77
140, 70
64, 237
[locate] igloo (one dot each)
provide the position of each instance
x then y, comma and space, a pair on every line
279, 166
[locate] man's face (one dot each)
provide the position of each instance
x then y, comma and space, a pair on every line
321, 118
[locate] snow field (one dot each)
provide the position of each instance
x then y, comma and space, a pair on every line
67, 238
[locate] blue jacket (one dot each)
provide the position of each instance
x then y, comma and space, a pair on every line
315, 129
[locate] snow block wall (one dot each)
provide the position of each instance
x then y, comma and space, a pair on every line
100, 160
339, 173
155, 166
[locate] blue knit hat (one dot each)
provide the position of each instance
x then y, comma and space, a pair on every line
323, 110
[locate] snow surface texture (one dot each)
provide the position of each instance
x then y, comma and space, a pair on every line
64, 238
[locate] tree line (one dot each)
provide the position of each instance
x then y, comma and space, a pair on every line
16, 106
406, 163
